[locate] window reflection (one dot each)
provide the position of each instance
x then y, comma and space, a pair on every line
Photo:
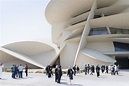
121, 46
118, 31
98, 31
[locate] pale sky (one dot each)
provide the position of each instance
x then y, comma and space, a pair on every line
23, 20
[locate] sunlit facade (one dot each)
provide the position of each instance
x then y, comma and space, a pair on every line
90, 31
83, 32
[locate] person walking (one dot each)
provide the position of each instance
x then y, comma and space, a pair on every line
17, 71
56, 73
116, 70
103, 68
86, 69
112, 70
92, 70
107, 69
47, 69
1, 67
13, 70
78, 69
75, 69
70, 74
26, 70
98, 70
59, 73
20, 68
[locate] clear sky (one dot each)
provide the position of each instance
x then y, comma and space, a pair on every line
22, 20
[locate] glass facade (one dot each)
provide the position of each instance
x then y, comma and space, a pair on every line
123, 62
98, 31
121, 46
119, 31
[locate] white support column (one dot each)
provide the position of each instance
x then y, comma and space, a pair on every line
62, 47
109, 32
86, 30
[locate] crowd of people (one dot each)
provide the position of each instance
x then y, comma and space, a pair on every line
88, 69
17, 71
112, 69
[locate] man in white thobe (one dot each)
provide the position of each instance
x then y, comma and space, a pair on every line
20, 68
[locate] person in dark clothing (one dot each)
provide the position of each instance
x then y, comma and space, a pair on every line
106, 69
112, 70
75, 69
58, 74
13, 71
70, 74
78, 69
86, 69
17, 72
92, 70
103, 68
49, 71
98, 70
26, 70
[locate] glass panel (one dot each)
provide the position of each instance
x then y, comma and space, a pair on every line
98, 31
121, 46
119, 31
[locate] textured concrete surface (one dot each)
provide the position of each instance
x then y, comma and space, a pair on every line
80, 80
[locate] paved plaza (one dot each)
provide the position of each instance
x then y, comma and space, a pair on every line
38, 79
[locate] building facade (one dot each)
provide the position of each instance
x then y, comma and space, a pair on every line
90, 31
83, 32
35, 54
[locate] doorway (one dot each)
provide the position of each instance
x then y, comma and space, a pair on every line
123, 62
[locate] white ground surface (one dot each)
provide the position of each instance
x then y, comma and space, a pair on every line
79, 80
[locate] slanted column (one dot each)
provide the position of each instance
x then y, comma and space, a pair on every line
109, 32
83, 40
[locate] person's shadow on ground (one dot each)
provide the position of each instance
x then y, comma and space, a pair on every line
65, 83
3, 79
